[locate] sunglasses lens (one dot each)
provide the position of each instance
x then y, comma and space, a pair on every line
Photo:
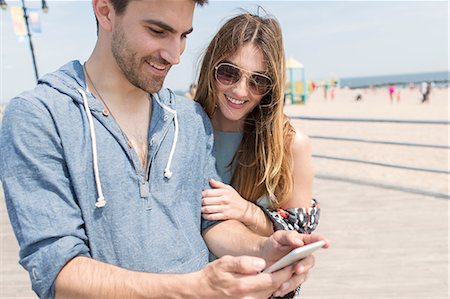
227, 74
259, 85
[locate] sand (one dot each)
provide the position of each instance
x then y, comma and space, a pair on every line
388, 227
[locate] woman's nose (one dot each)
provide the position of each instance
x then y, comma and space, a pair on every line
241, 87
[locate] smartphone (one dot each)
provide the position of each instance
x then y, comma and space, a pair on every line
294, 256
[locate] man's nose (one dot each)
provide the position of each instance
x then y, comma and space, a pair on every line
172, 51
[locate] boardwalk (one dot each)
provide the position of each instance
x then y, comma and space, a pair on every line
386, 243
14, 281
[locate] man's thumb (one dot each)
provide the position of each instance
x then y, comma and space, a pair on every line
244, 264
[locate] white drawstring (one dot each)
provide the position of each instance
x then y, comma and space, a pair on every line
101, 202
167, 172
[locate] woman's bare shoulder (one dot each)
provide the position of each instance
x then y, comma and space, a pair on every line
301, 143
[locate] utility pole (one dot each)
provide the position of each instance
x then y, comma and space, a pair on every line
30, 41
25, 16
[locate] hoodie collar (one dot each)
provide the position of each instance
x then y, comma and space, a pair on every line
70, 78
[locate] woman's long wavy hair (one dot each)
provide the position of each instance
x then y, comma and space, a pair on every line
263, 161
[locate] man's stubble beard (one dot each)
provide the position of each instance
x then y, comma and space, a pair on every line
130, 64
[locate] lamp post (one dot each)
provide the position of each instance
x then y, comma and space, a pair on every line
25, 16
3, 4
44, 6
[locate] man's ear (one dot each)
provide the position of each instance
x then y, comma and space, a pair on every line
104, 11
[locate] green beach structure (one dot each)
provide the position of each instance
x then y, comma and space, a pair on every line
296, 89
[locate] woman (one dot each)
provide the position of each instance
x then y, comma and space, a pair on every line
259, 153
265, 161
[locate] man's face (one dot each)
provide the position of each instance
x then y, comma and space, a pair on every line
149, 37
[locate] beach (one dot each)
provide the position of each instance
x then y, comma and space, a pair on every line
388, 227
376, 105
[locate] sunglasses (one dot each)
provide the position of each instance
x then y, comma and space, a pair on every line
230, 74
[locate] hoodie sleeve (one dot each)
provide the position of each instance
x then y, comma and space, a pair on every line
210, 170
41, 204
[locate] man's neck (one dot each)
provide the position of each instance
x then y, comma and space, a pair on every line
130, 106
110, 81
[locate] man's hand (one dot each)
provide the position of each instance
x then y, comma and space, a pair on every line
280, 244
240, 277
301, 273
240, 240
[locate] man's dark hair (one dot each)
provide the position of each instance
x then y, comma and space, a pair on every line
121, 5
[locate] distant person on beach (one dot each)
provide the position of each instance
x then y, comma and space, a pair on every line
190, 94
391, 92
334, 84
425, 89
326, 87
265, 164
103, 171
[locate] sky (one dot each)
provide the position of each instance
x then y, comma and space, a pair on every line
333, 39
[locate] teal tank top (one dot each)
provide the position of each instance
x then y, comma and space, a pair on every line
226, 144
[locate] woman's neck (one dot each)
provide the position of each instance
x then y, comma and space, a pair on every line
223, 124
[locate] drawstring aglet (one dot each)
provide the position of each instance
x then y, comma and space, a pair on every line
101, 202
167, 173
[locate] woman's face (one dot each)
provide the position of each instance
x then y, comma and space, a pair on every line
236, 101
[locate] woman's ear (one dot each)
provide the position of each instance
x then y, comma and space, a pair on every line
104, 12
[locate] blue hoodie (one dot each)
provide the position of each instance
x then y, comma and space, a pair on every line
73, 186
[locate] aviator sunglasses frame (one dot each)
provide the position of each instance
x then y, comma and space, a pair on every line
252, 84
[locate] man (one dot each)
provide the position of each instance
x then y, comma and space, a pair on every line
103, 172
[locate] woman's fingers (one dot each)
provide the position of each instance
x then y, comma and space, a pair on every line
212, 192
215, 216
212, 201
217, 184
210, 209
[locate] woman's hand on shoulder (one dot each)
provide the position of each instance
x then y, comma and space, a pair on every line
223, 203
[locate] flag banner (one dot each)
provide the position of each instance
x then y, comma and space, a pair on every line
34, 21
18, 21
